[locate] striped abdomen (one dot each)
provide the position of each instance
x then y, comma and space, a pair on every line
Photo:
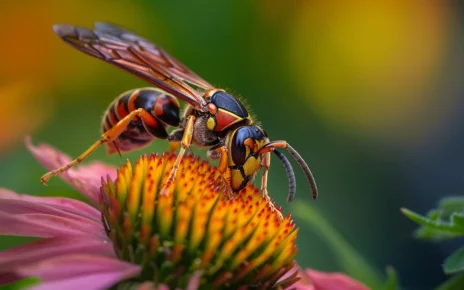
164, 108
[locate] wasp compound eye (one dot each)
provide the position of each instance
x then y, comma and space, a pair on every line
237, 146
243, 143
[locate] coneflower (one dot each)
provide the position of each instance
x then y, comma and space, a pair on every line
195, 228
135, 238
194, 237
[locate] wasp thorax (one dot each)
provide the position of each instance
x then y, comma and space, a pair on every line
225, 111
244, 161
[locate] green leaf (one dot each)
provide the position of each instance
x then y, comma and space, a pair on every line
21, 284
392, 279
440, 224
429, 234
450, 205
457, 219
454, 283
349, 259
455, 262
436, 224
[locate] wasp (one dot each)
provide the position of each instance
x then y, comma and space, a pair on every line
212, 118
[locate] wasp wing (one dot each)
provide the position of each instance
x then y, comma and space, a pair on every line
156, 53
136, 55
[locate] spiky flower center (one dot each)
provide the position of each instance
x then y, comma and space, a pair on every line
195, 228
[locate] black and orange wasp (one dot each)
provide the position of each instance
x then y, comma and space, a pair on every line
212, 118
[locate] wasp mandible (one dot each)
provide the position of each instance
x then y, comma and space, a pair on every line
213, 118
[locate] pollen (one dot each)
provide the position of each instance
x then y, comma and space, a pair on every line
233, 243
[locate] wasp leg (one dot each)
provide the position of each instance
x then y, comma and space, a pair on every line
109, 136
221, 152
214, 153
186, 141
266, 164
174, 139
271, 146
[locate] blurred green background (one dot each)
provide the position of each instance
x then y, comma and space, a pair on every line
371, 95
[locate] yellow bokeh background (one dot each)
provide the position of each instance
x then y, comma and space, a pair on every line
369, 93
372, 67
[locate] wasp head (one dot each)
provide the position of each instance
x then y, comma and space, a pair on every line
244, 160
247, 147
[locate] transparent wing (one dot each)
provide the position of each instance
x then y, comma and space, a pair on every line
136, 55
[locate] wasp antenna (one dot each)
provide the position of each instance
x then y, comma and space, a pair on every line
290, 175
305, 168
117, 149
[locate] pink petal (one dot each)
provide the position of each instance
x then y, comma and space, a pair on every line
66, 204
303, 282
333, 281
41, 250
85, 178
194, 281
79, 272
26, 218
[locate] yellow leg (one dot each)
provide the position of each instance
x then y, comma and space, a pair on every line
186, 141
266, 163
223, 169
109, 136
